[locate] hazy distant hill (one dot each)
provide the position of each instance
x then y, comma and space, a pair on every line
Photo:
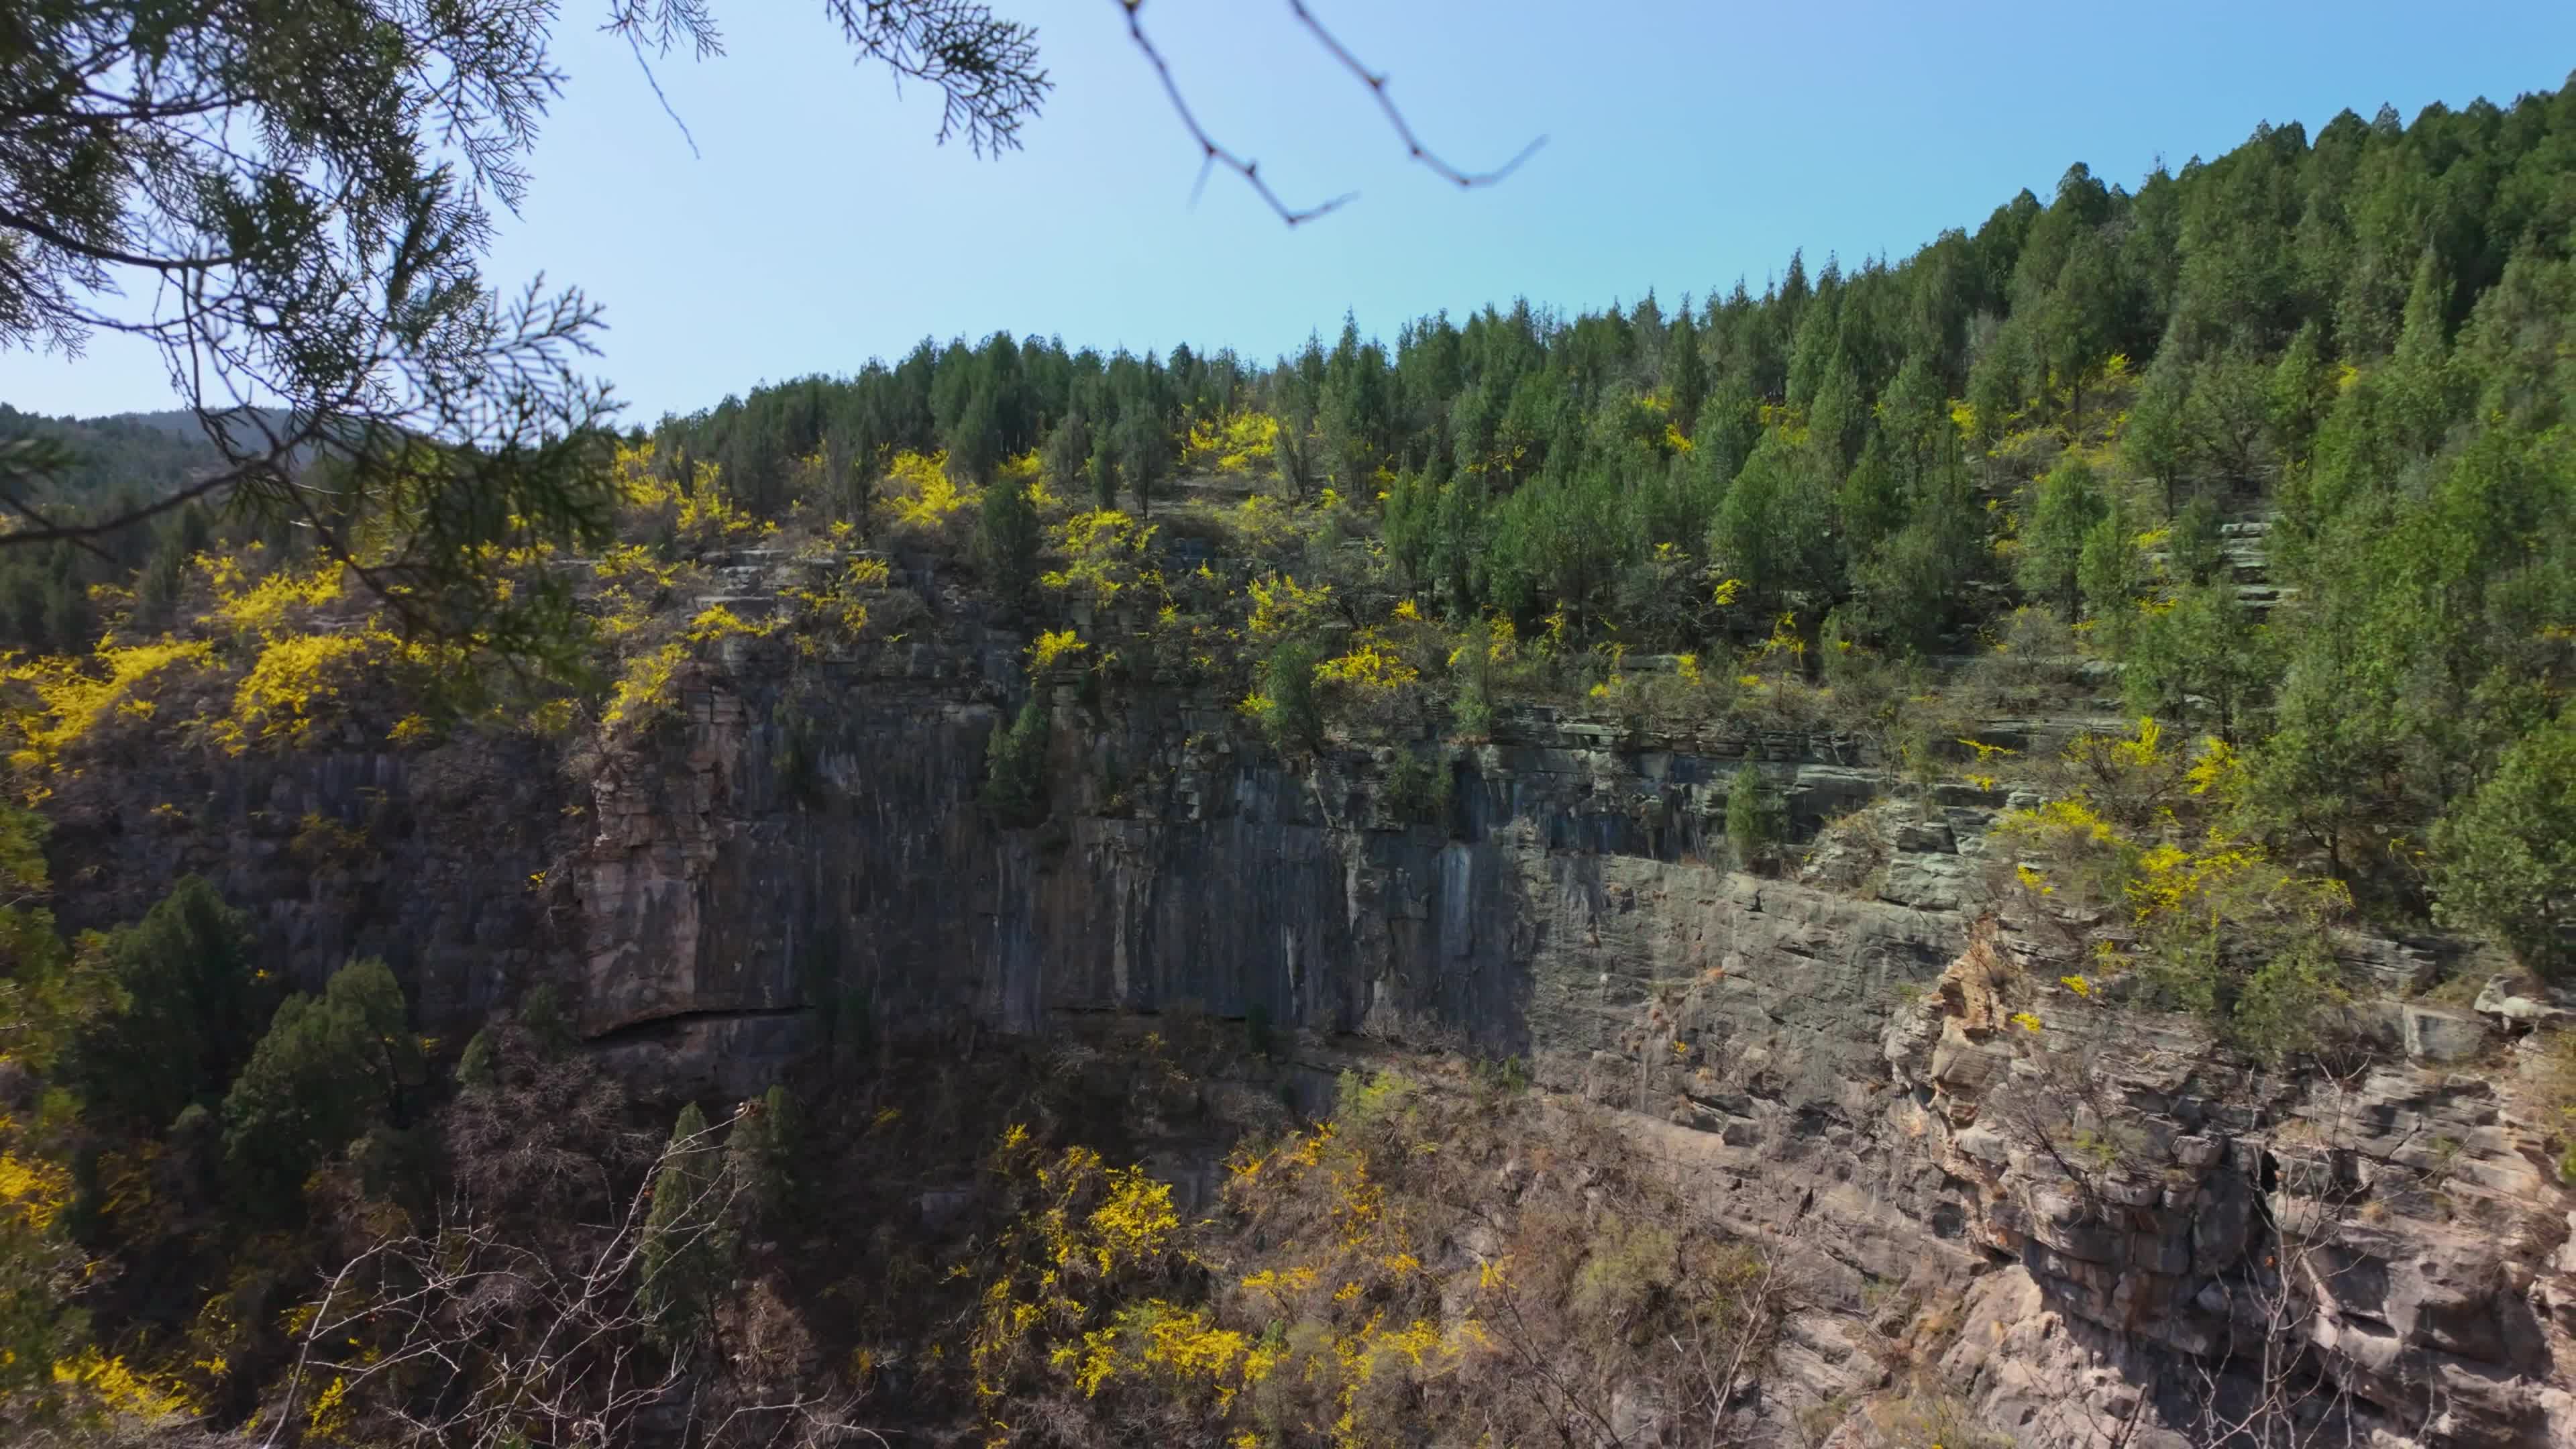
132, 454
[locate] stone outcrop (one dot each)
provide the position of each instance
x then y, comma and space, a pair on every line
2400, 1218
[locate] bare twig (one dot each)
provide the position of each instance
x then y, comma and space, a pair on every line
1214, 153
482, 1341
1376, 82
636, 45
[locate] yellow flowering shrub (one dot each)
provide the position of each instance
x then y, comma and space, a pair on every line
1051, 1276
107, 1385
33, 1191
264, 607
299, 683
719, 622
1264, 525
1368, 664
1281, 605
634, 566
1053, 646
62, 699
1103, 550
696, 506
644, 686
841, 602
2145, 840
919, 492
1243, 441
1030, 471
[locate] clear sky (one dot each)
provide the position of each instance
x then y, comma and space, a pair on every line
1689, 143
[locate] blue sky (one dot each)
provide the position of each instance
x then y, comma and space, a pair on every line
1688, 144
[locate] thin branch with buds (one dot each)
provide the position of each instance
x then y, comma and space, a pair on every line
1214, 153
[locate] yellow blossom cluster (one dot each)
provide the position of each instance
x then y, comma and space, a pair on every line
919, 492
1370, 663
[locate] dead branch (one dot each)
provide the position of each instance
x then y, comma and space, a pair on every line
1213, 153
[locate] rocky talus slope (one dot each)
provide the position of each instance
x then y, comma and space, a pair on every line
2091, 1223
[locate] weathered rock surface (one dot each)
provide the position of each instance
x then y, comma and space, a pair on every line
2095, 1228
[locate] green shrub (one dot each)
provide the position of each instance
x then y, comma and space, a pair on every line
1625, 1271
1007, 536
1753, 824
1286, 706
1472, 711
1015, 768
1366, 1103
547, 1023
1417, 789
1501, 1077
475, 1067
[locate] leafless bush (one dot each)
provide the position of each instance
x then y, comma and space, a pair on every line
529, 1312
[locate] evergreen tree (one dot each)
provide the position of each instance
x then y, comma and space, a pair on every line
2064, 506
1104, 477
2192, 544
1007, 539
1144, 455
687, 1246
2158, 437
2080, 324
2202, 662
1294, 453
2505, 856
2106, 575
760, 1161
328, 1069
1775, 530
191, 1006
2300, 391
1839, 420
1911, 587
1685, 372
974, 438
476, 1066
1068, 456
1289, 712
1872, 503
548, 1025
2230, 416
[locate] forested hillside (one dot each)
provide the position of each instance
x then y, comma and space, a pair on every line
2257, 481
115, 465
2358, 342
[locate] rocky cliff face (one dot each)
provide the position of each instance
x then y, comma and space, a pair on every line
2111, 1217
2096, 1224
428, 858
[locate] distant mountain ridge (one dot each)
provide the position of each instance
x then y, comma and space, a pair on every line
130, 455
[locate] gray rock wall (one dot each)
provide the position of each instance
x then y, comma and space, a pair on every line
795, 863
1823, 1066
